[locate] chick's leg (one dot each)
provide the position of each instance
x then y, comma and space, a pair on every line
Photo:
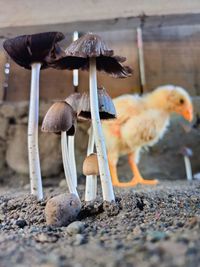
137, 178
112, 161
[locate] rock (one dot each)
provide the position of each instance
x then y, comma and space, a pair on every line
2, 155
17, 155
46, 237
63, 183
75, 228
61, 210
3, 127
21, 223
79, 240
17, 152
156, 236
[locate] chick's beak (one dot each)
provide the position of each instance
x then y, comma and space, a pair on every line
187, 113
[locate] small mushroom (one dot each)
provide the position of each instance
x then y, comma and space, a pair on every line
60, 118
63, 209
90, 165
91, 180
187, 153
34, 52
91, 171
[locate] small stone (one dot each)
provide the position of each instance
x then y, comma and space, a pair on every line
180, 224
46, 238
75, 228
156, 236
63, 209
137, 230
80, 239
21, 223
63, 183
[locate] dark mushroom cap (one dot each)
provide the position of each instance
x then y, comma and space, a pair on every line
73, 100
36, 48
88, 46
59, 118
186, 151
106, 107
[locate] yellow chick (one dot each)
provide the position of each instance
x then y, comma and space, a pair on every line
141, 122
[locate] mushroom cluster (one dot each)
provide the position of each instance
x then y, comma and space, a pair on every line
89, 53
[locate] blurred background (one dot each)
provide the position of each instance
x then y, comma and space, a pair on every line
171, 55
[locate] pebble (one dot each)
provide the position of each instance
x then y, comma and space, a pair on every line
79, 240
63, 183
76, 227
156, 236
63, 209
21, 223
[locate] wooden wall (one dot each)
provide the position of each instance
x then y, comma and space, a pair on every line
172, 56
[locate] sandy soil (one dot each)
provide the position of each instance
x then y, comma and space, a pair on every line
148, 227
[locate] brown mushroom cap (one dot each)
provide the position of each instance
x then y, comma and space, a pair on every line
106, 107
90, 165
91, 45
36, 48
60, 117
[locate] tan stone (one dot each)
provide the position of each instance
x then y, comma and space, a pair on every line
3, 127
17, 154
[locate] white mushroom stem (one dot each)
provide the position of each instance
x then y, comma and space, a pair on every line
72, 159
107, 188
141, 58
75, 72
91, 180
66, 165
188, 168
33, 151
70, 139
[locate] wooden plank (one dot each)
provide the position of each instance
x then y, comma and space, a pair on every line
37, 12
2, 76
104, 25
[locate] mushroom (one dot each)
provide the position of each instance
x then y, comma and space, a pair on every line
106, 107
90, 165
60, 119
187, 153
91, 171
106, 111
91, 52
34, 52
73, 101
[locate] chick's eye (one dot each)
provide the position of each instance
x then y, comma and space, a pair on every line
181, 101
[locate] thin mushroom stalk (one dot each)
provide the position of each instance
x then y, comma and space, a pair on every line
66, 164
91, 180
105, 177
70, 139
71, 151
188, 168
33, 151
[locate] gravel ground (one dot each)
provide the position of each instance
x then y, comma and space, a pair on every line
147, 227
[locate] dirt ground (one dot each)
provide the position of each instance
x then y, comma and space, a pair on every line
148, 227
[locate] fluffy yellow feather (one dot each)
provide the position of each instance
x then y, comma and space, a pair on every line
142, 121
